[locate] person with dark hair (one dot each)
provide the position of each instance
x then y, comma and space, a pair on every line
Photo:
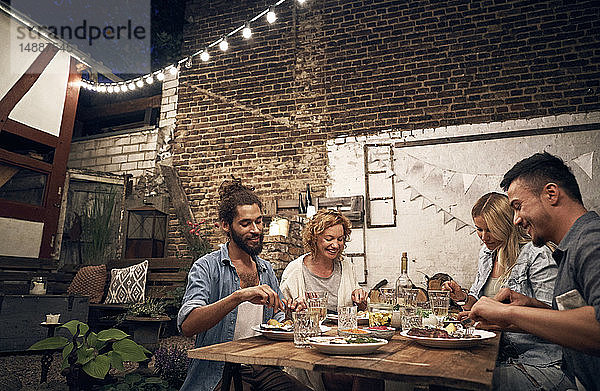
547, 202
232, 289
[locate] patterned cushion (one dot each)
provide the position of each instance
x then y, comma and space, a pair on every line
89, 281
127, 285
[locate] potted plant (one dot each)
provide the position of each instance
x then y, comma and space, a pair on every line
148, 317
87, 356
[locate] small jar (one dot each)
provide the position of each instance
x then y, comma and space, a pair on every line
380, 314
38, 286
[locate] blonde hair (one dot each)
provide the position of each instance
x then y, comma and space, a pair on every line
497, 213
322, 220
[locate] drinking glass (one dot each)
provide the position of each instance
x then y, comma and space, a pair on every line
380, 314
306, 324
439, 301
347, 318
409, 314
317, 302
387, 295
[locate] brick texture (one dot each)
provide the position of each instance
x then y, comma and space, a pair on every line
264, 110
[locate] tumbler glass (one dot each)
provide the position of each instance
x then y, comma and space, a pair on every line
306, 325
347, 318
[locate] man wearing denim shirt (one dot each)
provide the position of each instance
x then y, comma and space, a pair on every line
228, 281
548, 204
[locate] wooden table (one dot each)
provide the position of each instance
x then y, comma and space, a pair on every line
401, 360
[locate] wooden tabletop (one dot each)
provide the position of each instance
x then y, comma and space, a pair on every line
402, 360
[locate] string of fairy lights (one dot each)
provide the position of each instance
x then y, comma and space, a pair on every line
173, 69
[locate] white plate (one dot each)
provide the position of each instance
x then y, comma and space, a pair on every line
452, 343
363, 319
323, 345
282, 335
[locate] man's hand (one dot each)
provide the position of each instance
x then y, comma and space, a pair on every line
456, 292
508, 296
359, 296
490, 312
261, 294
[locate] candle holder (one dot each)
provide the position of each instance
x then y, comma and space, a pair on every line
38, 286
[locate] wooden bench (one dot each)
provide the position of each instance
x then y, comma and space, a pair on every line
164, 276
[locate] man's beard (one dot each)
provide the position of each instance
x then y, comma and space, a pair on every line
243, 244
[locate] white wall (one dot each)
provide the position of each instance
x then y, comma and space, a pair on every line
20, 238
436, 186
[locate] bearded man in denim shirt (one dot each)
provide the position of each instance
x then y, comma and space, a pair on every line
548, 204
233, 281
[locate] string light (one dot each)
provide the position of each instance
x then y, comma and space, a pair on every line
224, 45
247, 31
271, 17
204, 55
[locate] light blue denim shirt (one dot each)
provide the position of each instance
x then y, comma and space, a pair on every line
533, 275
212, 278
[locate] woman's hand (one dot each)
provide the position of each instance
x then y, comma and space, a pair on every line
359, 296
295, 304
456, 292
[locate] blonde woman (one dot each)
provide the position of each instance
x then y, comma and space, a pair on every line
324, 268
508, 259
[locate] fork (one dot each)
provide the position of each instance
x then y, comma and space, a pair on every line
469, 325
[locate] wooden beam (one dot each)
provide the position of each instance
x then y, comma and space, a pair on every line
140, 104
24, 161
20, 129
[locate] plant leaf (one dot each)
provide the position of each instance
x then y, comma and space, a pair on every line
50, 343
85, 355
116, 361
154, 380
72, 327
132, 378
98, 367
129, 350
67, 350
111, 334
92, 339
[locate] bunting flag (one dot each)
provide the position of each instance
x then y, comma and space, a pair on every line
414, 194
468, 180
586, 163
447, 217
426, 203
460, 225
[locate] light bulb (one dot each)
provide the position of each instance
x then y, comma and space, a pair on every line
139, 83
123, 88
271, 17
204, 56
301, 1
109, 89
160, 76
173, 70
131, 86
224, 45
149, 80
102, 88
247, 31
188, 62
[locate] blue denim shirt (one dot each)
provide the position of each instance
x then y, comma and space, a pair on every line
533, 275
212, 278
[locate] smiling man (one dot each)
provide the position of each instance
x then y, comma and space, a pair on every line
548, 205
229, 291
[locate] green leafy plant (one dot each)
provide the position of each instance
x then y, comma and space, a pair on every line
137, 382
96, 226
148, 308
94, 353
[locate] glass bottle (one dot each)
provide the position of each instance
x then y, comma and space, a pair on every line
301, 204
403, 281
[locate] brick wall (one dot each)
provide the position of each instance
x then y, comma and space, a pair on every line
131, 153
264, 110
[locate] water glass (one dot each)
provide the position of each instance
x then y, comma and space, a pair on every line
306, 325
317, 302
347, 318
411, 317
380, 314
408, 297
439, 301
387, 295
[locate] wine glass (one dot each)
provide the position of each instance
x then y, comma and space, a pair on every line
317, 302
439, 302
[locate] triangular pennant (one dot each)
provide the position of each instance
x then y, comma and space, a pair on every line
468, 180
414, 194
460, 225
447, 177
473, 230
438, 209
585, 162
389, 173
426, 203
447, 217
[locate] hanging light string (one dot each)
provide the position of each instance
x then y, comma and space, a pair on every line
159, 75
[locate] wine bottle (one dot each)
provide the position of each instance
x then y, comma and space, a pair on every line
301, 204
309, 200
403, 282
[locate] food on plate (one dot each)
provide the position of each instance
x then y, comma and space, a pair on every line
451, 328
355, 331
380, 318
345, 340
440, 333
382, 332
275, 325
362, 314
